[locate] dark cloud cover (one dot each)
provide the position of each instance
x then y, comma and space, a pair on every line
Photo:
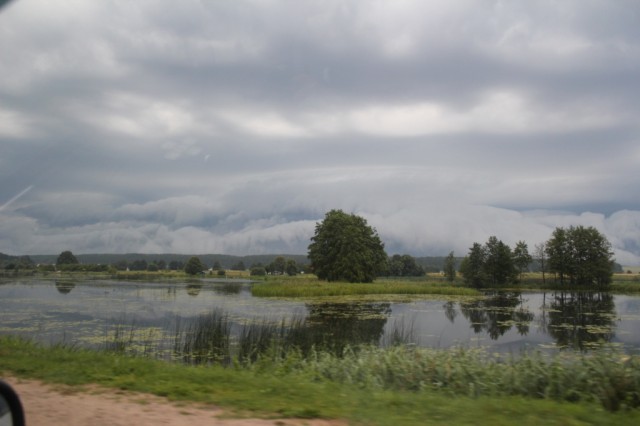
232, 127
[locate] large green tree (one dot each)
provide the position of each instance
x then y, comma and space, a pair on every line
491, 264
581, 255
499, 264
66, 258
346, 248
194, 266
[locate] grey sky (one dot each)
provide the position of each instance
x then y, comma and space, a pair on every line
232, 127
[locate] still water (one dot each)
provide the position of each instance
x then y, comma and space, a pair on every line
85, 313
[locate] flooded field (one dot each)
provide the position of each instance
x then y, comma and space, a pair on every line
162, 317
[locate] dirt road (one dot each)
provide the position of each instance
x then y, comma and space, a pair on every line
54, 405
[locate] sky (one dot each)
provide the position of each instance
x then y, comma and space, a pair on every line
232, 127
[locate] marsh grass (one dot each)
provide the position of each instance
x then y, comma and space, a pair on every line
394, 386
214, 338
204, 340
132, 339
308, 288
606, 377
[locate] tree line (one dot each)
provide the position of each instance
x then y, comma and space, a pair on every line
577, 256
345, 248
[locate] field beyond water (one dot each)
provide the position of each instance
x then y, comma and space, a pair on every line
396, 386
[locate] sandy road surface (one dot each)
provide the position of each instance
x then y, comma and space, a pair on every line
54, 405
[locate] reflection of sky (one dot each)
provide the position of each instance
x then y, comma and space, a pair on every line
38, 309
628, 321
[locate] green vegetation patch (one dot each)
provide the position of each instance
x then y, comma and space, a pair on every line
305, 288
400, 386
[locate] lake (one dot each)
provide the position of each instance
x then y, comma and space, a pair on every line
90, 313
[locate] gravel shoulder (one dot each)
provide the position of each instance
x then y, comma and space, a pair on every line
57, 405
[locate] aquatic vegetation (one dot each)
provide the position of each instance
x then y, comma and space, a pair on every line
205, 339
306, 288
606, 376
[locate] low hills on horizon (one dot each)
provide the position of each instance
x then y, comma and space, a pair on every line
227, 261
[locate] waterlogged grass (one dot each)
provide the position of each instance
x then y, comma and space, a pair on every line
620, 283
397, 386
625, 284
606, 377
307, 288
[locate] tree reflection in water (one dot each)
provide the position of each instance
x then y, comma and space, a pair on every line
194, 289
65, 287
496, 314
337, 325
450, 311
581, 320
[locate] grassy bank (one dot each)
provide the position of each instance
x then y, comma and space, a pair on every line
621, 283
397, 386
310, 288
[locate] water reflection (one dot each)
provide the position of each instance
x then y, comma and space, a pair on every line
580, 320
450, 311
194, 289
338, 325
506, 322
228, 288
496, 314
65, 287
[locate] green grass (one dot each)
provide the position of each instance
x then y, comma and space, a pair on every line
312, 288
621, 283
294, 387
308, 286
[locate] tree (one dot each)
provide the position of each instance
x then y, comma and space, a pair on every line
581, 255
591, 257
66, 258
291, 268
472, 266
176, 265
488, 264
540, 255
193, 266
499, 265
345, 248
557, 250
449, 267
121, 265
521, 257
258, 271
138, 265
404, 266
278, 266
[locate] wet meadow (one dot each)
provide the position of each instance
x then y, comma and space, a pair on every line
578, 347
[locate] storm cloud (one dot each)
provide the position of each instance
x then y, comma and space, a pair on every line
232, 127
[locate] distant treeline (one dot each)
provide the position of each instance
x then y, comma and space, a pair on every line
208, 260
215, 261
429, 263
